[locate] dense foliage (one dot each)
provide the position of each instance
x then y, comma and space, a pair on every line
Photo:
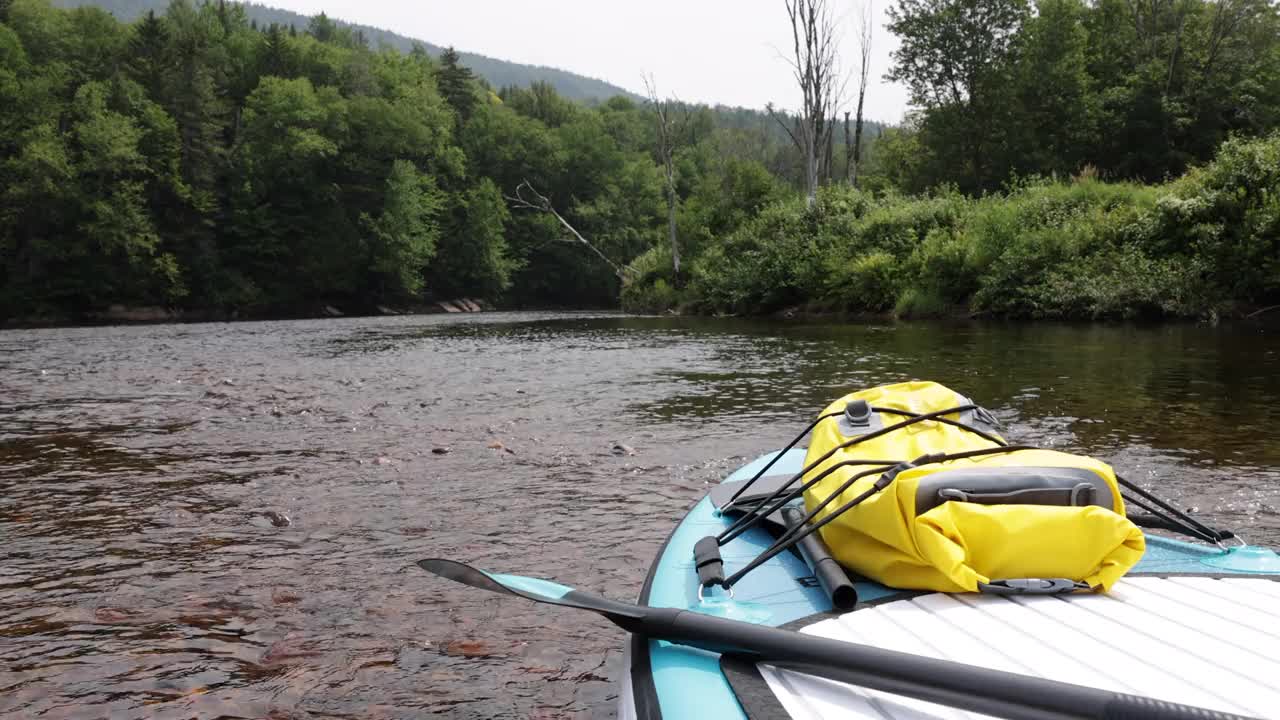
196, 159
191, 160
1201, 246
1138, 89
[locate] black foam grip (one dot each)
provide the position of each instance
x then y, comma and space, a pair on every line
706, 558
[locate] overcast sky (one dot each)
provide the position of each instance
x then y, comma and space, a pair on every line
711, 51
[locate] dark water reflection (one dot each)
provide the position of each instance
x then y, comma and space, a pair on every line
146, 569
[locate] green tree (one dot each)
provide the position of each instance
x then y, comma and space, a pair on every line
95, 45
541, 102
322, 28
457, 84
42, 33
38, 200
192, 92
285, 209
14, 71
78, 232
955, 57
277, 55
115, 224
474, 257
402, 238
1054, 115
149, 59
190, 159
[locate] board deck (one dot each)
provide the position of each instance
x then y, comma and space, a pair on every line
1199, 641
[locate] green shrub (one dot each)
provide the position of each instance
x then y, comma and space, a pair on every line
1125, 283
918, 303
1081, 249
649, 285
941, 268
656, 297
1227, 214
771, 262
897, 225
869, 283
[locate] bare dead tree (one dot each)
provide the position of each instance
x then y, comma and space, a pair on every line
527, 198
853, 159
829, 154
848, 151
672, 118
815, 63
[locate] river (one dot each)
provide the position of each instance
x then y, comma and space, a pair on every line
220, 520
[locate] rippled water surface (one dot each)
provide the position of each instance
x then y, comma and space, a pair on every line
210, 521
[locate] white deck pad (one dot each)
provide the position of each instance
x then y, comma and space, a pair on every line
1200, 641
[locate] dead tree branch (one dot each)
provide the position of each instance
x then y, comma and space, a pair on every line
673, 118
527, 198
853, 158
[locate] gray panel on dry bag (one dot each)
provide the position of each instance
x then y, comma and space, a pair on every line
1047, 486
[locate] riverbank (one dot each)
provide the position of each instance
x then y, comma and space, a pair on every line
149, 315
1244, 314
1204, 246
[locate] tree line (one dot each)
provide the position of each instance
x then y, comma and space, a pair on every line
1135, 89
194, 159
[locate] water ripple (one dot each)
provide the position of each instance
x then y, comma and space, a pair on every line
207, 521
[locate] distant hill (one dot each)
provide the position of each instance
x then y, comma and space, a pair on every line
499, 73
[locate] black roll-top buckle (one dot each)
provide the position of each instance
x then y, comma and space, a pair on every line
1032, 586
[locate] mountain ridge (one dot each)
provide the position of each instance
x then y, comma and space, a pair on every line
499, 73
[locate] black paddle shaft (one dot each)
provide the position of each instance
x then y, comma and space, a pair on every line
982, 690
968, 687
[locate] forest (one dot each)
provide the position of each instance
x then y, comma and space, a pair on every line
1064, 158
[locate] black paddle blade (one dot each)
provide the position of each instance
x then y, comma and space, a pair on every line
466, 575
535, 589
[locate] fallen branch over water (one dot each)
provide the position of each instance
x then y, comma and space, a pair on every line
542, 203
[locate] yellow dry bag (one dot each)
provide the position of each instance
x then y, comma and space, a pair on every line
946, 506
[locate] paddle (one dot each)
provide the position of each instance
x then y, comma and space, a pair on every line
968, 687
